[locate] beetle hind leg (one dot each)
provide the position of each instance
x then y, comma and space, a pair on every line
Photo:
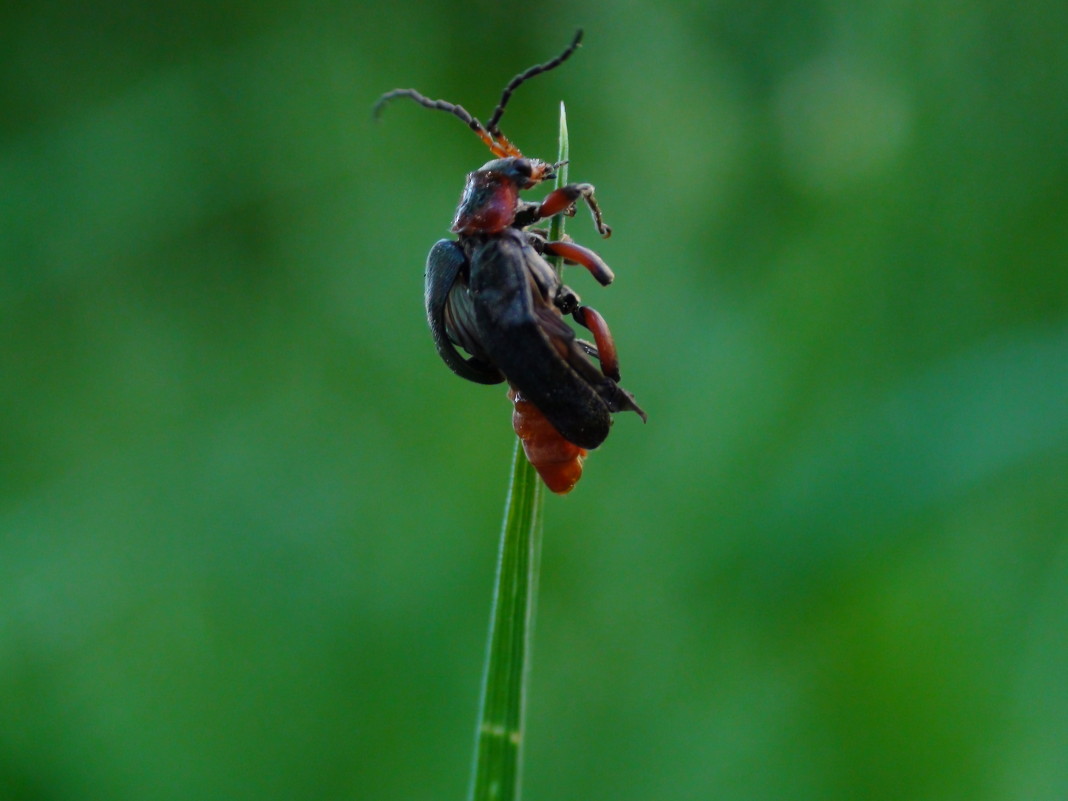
606, 347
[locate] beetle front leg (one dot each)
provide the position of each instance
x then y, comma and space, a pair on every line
565, 198
606, 347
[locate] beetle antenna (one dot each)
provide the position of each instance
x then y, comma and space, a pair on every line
440, 105
490, 133
497, 143
522, 77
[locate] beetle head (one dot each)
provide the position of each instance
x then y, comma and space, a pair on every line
523, 172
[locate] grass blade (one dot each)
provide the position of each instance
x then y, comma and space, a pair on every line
498, 763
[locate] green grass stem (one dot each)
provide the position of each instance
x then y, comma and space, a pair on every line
498, 763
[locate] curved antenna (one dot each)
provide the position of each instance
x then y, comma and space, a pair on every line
526, 75
498, 145
490, 134
440, 105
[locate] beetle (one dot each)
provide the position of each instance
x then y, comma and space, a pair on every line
492, 293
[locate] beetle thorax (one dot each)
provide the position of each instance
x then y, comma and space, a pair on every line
488, 204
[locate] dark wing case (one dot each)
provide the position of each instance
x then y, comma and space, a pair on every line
446, 295
526, 338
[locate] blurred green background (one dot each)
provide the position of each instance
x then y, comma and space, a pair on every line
248, 520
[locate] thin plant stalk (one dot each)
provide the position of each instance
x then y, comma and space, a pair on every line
498, 764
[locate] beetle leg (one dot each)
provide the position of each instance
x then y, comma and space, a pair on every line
576, 254
566, 300
564, 198
606, 347
526, 214
588, 348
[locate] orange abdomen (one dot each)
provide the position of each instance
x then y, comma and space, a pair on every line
558, 462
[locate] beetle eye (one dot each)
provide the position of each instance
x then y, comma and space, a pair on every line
524, 168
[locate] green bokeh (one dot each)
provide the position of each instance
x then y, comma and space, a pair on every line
248, 520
